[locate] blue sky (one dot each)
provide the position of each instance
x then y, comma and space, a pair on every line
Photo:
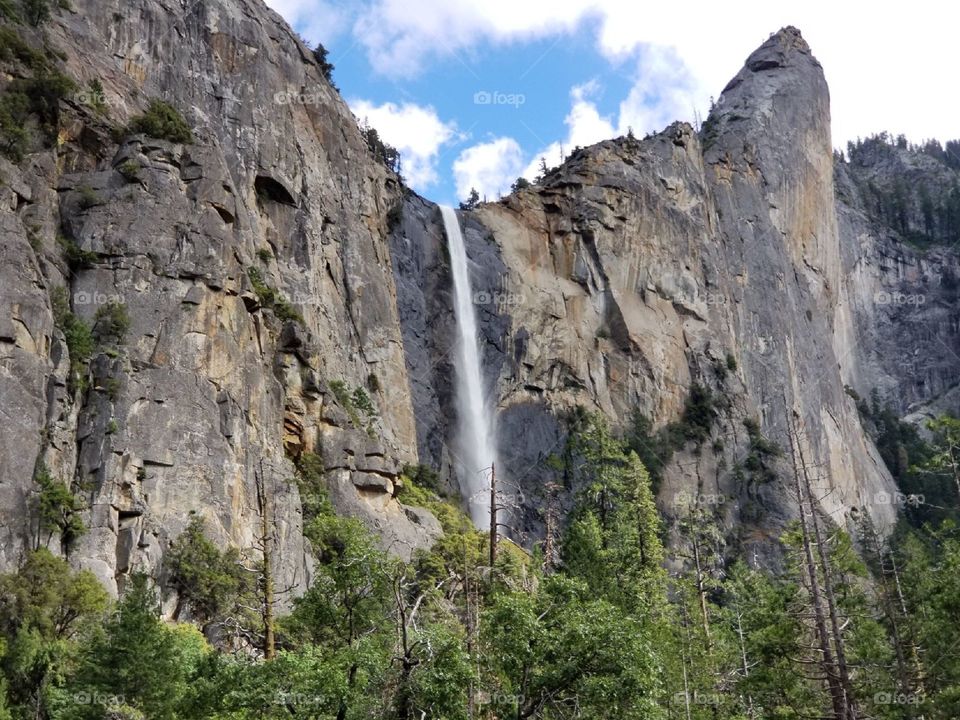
474, 92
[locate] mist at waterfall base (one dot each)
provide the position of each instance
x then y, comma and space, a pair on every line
476, 448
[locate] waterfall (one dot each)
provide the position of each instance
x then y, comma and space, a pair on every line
475, 442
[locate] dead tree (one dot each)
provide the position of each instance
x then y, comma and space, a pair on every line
827, 661
266, 576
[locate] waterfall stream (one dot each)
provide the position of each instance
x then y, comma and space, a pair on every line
476, 450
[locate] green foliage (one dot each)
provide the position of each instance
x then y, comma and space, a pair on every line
88, 197
420, 487
699, 413
79, 338
361, 401
77, 258
562, 648
521, 183
271, 299
36, 11
30, 99
264, 255
381, 151
95, 96
162, 120
135, 661
472, 200
58, 509
111, 323
761, 455
14, 47
613, 539
326, 67
129, 169
208, 581
45, 610
313, 491
356, 403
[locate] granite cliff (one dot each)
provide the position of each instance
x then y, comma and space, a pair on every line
273, 272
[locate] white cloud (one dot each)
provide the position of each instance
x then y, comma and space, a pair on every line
489, 167
886, 69
317, 20
585, 126
400, 39
416, 131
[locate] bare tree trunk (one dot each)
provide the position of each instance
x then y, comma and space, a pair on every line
835, 624
269, 642
701, 591
493, 516
823, 638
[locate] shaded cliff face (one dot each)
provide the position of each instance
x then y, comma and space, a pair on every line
635, 274
898, 210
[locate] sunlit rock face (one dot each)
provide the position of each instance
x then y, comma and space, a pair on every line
737, 259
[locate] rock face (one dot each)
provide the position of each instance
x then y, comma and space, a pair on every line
212, 393
273, 272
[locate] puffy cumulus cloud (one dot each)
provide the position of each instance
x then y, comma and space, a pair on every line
585, 126
416, 131
490, 167
885, 69
400, 39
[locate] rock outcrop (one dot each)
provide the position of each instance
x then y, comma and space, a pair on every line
273, 272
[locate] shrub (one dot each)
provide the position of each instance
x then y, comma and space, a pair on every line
361, 401
326, 67
88, 197
163, 121
79, 339
699, 412
37, 11
111, 323
264, 255
77, 257
271, 299
312, 486
57, 508
13, 47
129, 169
95, 96
207, 580
286, 311
521, 183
